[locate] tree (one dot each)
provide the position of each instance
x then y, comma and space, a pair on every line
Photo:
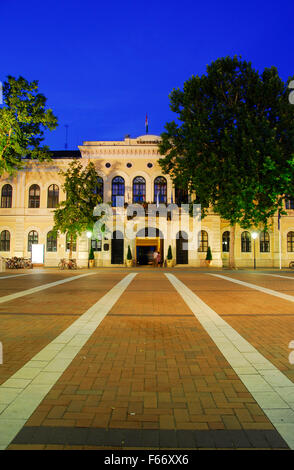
129, 254
23, 120
75, 215
91, 254
233, 145
208, 254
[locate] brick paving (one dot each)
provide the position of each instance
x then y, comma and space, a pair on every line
149, 376
16, 284
266, 322
28, 324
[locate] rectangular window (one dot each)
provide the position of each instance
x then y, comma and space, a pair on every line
51, 242
245, 242
289, 203
74, 243
264, 245
96, 245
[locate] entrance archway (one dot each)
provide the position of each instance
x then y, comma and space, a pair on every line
117, 248
148, 240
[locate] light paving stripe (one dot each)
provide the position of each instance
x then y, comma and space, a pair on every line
253, 286
277, 275
272, 390
23, 392
7, 298
16, 275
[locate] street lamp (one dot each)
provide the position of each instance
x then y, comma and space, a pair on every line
89, 234
254, 236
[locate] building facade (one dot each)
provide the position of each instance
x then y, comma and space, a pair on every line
129, 173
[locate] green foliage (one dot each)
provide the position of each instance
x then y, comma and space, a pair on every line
129, 254
91, 253
23, 120
169, 253
208, 254
75, 214
234, 141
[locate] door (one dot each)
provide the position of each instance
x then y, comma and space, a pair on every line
117, 248
182, 248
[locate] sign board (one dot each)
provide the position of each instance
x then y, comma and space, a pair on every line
37, 253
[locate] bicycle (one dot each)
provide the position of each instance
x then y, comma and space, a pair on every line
72, 264
27, 263
62, 264
291, 265
68, 264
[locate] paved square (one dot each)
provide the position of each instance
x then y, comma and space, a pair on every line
147, 358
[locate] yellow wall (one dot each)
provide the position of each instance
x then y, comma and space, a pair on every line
20, 220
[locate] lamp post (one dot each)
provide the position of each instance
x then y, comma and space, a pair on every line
89, 235
254, 236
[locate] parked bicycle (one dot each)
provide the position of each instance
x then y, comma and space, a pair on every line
62, 264
68, 264
18, 263
72, 264
291, 265
27, 263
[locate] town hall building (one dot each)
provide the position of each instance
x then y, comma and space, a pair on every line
129, 173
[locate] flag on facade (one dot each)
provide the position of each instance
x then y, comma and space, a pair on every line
146, 124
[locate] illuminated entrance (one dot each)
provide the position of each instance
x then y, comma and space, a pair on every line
147, 241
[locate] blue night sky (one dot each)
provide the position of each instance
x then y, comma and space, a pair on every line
103, 65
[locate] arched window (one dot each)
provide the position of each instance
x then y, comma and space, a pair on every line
139, 189
118, 191
99, 187
51, 241
6, 196
264, 242
5, 241
226, 242
160, 189
34, 196
290, 241
203, 241
74, 243
245, 242
53, 196
32, 239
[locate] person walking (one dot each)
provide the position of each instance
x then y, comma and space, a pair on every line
159, 260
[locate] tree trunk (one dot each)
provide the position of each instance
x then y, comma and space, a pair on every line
232, 247
70, 247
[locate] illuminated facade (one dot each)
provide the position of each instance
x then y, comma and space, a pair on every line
129, 173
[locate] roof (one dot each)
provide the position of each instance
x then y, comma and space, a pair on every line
63, 154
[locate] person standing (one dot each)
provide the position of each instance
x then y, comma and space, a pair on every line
159, 260
155, 254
